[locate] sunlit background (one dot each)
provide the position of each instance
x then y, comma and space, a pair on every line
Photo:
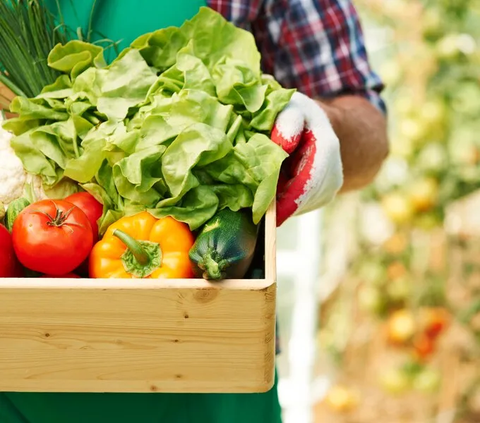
393, 334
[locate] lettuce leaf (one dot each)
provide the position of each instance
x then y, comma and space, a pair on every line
75, 56
178, 124
198, 206
199, 145
254, 164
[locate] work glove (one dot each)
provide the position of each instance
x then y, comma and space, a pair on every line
312, 175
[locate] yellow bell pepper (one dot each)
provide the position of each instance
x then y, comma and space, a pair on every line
141, 246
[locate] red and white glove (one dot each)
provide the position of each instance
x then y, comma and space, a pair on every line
313, 174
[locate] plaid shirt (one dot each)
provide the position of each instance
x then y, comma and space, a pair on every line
316, 46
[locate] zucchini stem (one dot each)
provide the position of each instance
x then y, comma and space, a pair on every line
212, 268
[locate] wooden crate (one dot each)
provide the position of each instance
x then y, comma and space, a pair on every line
6, 96
104, 335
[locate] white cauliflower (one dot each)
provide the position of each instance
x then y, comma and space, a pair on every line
13, 177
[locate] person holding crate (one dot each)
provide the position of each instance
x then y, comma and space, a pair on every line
334, 129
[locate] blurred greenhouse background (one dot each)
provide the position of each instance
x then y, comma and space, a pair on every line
395, 324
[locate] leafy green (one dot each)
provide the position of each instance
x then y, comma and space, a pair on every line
63, 189
196, 207
256, 165
75, 57
237, 84
199, 145
34, 161
177, 124
36, 108
235, 197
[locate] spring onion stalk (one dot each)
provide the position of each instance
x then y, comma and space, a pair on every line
28, 32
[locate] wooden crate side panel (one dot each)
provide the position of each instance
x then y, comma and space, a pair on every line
175, 340
271, 244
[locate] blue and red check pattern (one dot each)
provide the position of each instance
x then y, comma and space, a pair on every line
316, 46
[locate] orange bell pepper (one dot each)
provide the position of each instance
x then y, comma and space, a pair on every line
141, 246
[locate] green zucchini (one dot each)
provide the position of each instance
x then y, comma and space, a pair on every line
225, 246
13, 210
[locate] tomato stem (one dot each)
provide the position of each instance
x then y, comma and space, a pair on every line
60, 216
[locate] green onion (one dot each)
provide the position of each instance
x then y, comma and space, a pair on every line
27, 34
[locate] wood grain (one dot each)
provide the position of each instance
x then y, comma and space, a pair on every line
104, 335
271, 243
6, 97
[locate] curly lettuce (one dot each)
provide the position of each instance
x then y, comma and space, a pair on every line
178, 124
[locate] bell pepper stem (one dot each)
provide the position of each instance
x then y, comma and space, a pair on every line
141, 258
134, 246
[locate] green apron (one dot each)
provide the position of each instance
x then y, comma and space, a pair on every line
125, 20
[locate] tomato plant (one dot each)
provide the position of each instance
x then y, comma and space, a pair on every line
52, 237
91, 207
9, 266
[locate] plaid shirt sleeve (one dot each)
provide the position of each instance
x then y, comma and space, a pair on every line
316, 46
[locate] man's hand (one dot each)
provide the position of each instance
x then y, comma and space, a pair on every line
335, 145
312, 175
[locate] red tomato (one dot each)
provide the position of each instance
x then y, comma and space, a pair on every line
435, 321
9, 265
66, 276
52, 237
91, 207
424, 346
94, 210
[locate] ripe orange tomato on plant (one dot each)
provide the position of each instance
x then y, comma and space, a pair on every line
434, 321
424, 346
52, 237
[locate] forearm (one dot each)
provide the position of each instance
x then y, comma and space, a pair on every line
362, 130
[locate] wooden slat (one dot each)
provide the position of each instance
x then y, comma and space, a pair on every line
271, 243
